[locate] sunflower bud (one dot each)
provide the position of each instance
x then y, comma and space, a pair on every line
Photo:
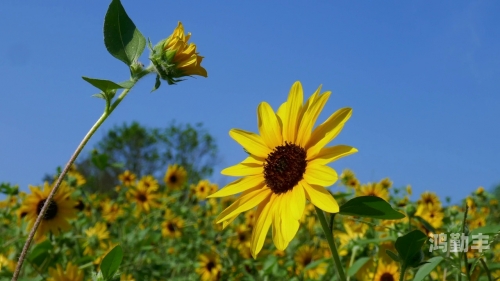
175, 58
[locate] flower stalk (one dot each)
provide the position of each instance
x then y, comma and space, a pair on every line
331, 243
108, 110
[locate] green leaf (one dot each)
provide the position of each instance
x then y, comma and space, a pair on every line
427, 268
409, 247
357, 265
121, 37
40, 252
393, 256
100, 161
157, 83
104, 85
111, 262
370, 207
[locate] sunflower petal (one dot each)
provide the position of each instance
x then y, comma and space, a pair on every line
251, 142
321, 198
244, 203
297, 202
291, 114
289, 224
278, 238
262, 225
320, 175
310, 117
239, 186
250, 166
332, 153
269, 126
327, 131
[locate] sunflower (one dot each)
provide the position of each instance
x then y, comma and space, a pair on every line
203, 189
148, 182
72, 273
286, 165
127, 178
429, 198
433, 214
241, 240
386, 183
387, 272
6, 263
373, 189
172, 226
175, 177
304, 256
111, 211
209, 267
61, 209
127, 277
95, 237
144, 198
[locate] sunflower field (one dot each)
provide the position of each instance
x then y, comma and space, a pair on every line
285, 214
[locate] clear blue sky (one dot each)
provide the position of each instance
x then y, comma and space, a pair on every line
422, 78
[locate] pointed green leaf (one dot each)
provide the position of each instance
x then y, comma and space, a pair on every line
370, 207
357, 265
104, 85
427, 268
100, 95
157, 83
40, 253
409, 247
393, 256
111, 262
121, 37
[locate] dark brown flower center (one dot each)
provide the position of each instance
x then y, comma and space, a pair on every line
387, 277
210, 265
51, 210
307, 260
142, 197
171, 227
285, 167
173, 179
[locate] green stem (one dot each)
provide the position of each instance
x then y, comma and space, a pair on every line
59, 180
331, 243
462, 253
403, 272
485, 267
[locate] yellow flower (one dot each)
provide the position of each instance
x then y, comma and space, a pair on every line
386, 183
172, 226
127, 178
287, 163
111, 211
429, 198
408, 189
387, 272
373, 189
61, 209
204, 188
6, 263
72, 273
433, 214
209, 267
144, 198
480, 190
303, 257
148, 182
174, 57
96, 236
175, 177
127, 277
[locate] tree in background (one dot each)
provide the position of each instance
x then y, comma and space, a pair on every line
148, 151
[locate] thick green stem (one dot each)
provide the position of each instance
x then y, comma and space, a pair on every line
403, 272
59, 180
331, 243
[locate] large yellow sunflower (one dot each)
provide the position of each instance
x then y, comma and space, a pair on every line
61, 209
387, 272
286, 164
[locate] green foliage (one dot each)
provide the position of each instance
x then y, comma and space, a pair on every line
121, 37
426, 269
409, 247
149, 151
111, 262
370, 207
357, 265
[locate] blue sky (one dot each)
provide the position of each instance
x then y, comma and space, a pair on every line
421, 77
